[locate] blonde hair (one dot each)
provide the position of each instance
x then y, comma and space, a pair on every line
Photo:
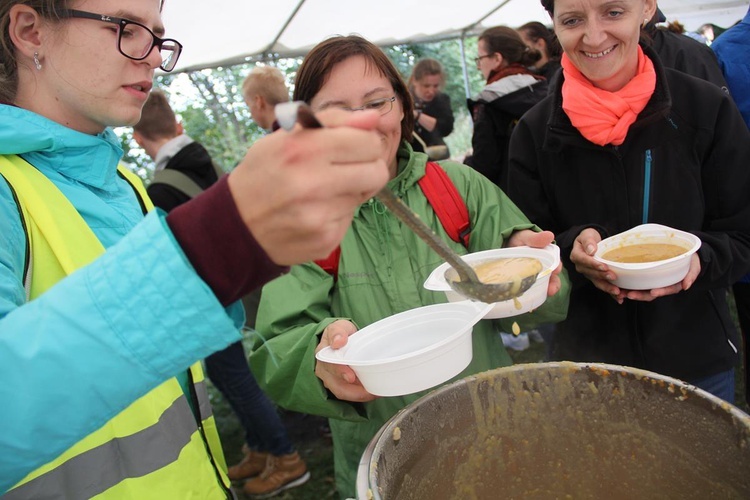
267, 82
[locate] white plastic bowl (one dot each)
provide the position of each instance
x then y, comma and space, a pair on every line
534, 297
410, 351
649, 275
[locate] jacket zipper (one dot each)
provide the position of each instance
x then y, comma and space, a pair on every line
646, 185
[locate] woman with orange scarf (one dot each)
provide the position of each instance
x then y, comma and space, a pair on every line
622, 141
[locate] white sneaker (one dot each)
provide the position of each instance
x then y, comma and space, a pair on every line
516, 342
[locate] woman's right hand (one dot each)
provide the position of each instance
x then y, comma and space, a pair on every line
582, 256
340, 379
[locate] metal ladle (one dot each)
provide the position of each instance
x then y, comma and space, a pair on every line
468, 284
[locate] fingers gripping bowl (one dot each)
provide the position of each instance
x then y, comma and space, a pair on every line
549, 257
647, 248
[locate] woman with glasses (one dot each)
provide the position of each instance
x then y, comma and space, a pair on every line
104, 312
433, 116
622, 141
510, 91
381, 264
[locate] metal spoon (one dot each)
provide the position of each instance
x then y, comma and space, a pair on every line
468, 284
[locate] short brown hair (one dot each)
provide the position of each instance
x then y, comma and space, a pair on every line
267, 82
158, 121
319, 62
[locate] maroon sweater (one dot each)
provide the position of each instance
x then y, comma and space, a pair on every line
219, 246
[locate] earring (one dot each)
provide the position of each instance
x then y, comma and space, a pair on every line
645, 22
36, 61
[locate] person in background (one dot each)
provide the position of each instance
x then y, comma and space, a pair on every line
511, 90
433, 116
106, 310
683, 53
269, 456
733, 52
163, 139
621, 141
539, 37
382, 263
263, 88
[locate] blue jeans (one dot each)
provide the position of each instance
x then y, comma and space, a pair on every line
230, 373
720, 385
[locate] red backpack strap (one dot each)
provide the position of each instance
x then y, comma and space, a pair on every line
447, 202
331, 263
445, 199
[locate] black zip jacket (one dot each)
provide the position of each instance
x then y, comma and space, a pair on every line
494, 121
194, 161
440, 109
686, 164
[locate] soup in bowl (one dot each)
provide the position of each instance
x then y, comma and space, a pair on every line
648, 256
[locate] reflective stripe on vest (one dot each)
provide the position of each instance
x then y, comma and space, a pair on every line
153, 448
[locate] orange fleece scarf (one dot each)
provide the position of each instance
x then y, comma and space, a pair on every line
604, 117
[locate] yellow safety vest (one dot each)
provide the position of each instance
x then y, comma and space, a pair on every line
155, 448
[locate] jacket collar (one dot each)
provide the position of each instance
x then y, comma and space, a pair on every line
411, 168
560, 131
85, 158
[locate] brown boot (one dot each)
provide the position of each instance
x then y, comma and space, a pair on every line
251, 465
281, 473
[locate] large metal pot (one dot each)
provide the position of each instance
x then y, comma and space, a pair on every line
561, 430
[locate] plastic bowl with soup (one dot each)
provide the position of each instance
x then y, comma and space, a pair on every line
648, 256
500, 265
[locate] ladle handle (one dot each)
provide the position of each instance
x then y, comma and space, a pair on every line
408, 217
289, 113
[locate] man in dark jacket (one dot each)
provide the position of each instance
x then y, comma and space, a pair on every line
162, 137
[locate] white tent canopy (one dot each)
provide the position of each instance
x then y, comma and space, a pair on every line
226, 32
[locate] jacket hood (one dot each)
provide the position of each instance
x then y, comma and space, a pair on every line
43, 142
505, 86
411, 168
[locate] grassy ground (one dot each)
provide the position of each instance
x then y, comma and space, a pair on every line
315, 448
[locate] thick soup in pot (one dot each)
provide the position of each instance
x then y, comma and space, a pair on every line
507, 269
644, 252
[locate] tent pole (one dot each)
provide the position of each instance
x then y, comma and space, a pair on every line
283, 28
467, 88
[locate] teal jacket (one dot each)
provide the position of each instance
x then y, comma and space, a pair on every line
107, 334
382, 268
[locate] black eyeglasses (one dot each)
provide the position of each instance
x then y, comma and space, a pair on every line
479, 58
134, 40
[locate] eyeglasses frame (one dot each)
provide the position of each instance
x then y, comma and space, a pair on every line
479, 58
364, 106
121, 22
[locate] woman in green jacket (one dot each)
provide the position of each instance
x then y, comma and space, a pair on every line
382, 265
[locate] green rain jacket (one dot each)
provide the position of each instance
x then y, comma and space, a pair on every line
382, 268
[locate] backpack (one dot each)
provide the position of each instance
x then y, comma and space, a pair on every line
445, 200
181, 181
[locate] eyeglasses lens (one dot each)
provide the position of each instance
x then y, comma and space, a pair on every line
137, 41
